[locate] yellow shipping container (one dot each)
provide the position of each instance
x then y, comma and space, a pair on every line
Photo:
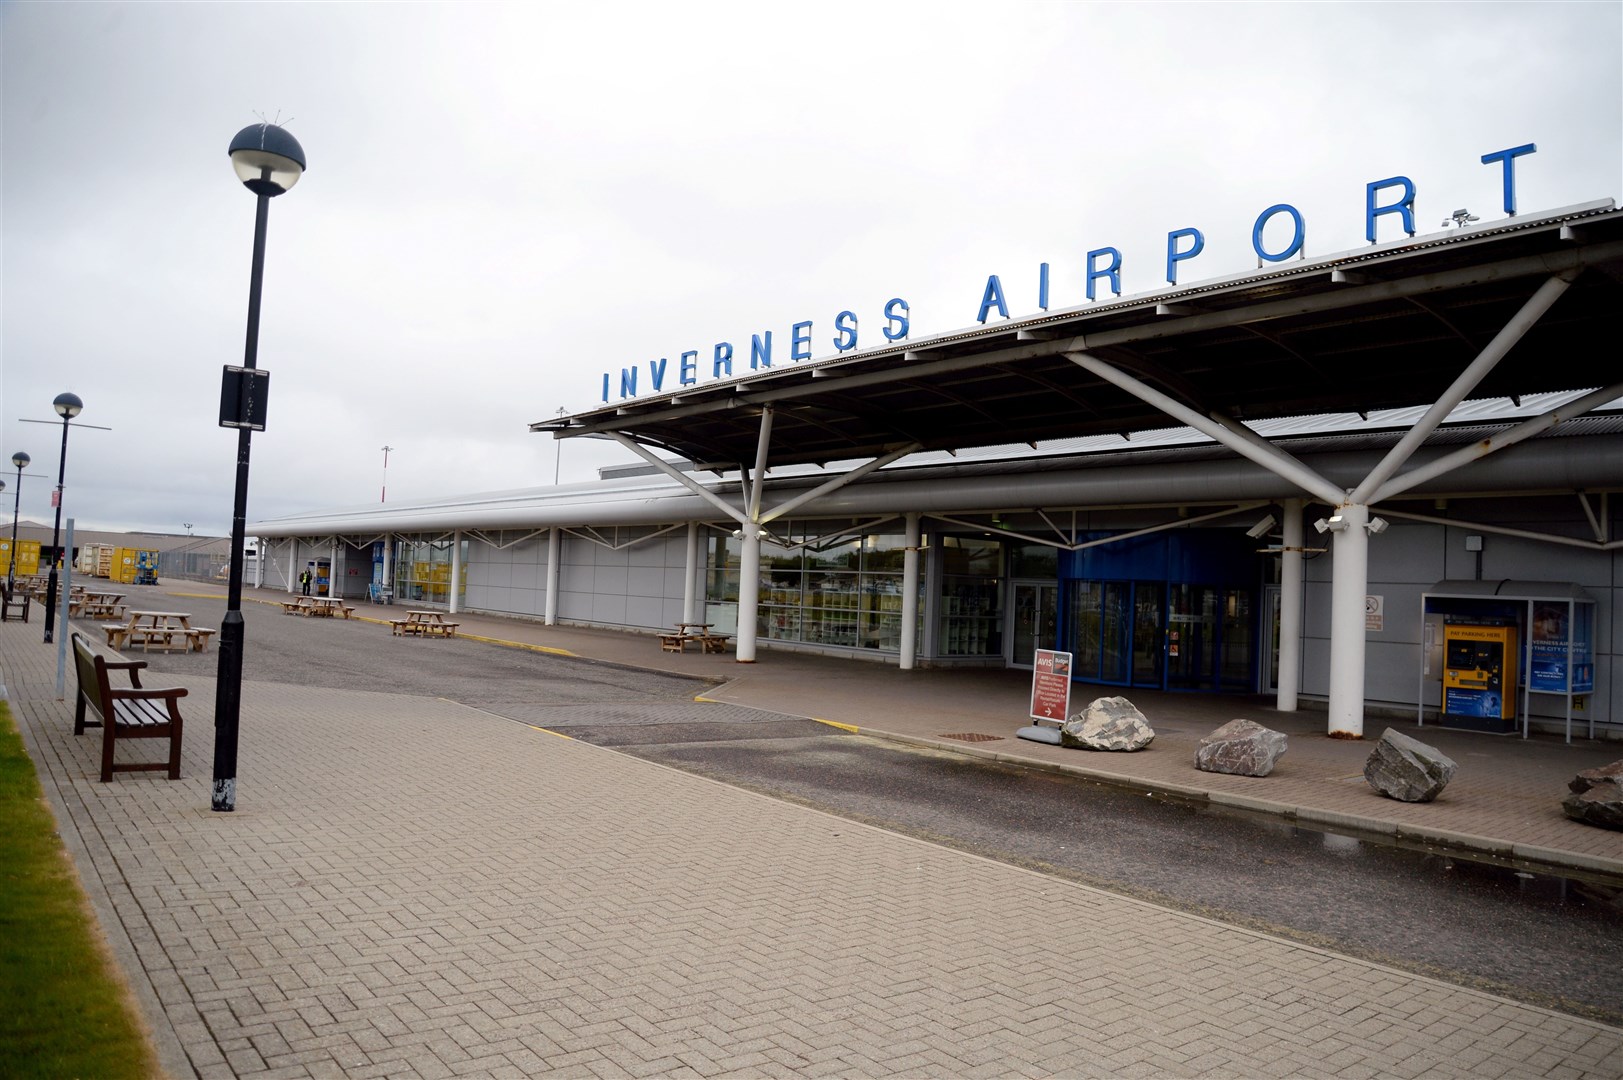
123, 565
27, 557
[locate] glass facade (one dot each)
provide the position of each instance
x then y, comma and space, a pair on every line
422, 571
844, 590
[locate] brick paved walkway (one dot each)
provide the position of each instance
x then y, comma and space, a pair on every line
412, 888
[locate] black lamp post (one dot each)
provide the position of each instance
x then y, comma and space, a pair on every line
20, 460
268, 161
67, 406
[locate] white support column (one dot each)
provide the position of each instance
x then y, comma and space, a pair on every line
388, 564
749, 592
1350, 566
259, 562
332, 569
553, 547
1290, 609
456, 571
910, 593
690, 575
292, 563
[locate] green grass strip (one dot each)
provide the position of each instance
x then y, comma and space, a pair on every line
62, 1011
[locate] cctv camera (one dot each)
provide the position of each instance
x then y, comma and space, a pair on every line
1260, 529
1321, 526
1376, 526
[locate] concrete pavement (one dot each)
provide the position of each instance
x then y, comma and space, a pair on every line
414, 888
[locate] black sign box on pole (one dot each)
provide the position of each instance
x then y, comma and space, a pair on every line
244, 395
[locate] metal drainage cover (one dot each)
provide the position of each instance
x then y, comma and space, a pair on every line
973, 736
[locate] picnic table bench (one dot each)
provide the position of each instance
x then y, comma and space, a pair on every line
158, 629
14, 605
423, 624
698, 633
327, 606
132, 712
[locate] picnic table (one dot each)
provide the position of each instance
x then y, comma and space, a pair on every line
158, 629
98, 605
423, 624
698, 632
326, 606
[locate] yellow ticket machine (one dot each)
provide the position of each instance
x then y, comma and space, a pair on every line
1479, 676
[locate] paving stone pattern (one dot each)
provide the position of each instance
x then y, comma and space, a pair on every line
414, 888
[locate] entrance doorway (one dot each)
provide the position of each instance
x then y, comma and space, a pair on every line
1162, 635
1035, 621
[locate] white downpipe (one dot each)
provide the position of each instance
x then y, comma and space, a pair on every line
1350, 567
1290, 609
749, 592
690, 576
456, 571
1537, 304
910, 593
552, 575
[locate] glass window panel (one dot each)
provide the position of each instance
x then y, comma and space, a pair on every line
1033, 561
884, 551
841, 556
972, 555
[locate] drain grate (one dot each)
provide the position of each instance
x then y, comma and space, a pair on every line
973, 736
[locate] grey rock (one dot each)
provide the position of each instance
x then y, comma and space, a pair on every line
1240, 748
1597, 796
1108, 723
1406, 769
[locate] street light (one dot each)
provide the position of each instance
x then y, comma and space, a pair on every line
269, 161
67, 406
383, 494
20, 460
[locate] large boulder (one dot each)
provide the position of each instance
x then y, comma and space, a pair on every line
1597, 796
1108, 723
1241, 748
1406, 769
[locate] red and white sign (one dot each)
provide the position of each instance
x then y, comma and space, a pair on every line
56, 498
1051, 686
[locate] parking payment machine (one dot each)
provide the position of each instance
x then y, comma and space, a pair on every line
1479, 676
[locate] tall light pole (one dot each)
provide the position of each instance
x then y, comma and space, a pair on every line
558, 452
67, 406
268, 161
21, 460
384, 494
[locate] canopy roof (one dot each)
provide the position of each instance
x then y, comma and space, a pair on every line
1384, 327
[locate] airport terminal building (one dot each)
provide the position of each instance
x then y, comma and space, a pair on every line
1382, 478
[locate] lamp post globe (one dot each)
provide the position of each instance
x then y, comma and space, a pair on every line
269, 161
267, 158
67, 406
21, 460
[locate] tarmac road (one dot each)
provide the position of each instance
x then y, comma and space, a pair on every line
1550, 941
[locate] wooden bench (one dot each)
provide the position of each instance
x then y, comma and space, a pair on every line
673, 642
712, 643
14, 605
297, 607
198, 637
133, 712
348, 612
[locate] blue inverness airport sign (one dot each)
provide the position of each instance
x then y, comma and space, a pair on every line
1394, 195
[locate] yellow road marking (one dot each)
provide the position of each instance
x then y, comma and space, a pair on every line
852, 728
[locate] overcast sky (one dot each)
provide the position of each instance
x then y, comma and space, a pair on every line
503, 202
